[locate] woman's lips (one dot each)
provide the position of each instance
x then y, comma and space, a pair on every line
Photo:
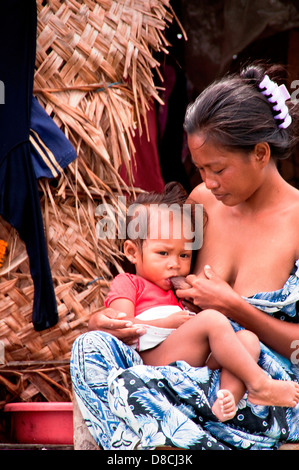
219, 196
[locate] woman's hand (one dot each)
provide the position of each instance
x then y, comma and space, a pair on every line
208, 291
114, 322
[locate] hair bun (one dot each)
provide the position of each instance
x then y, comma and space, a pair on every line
253, 74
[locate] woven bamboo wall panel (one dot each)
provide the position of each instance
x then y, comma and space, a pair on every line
94, 77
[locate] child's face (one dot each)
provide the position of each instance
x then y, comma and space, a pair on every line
165, 255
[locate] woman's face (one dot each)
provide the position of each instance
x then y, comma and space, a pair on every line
232, 177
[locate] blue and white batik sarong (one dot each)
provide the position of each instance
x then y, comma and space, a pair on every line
128, 405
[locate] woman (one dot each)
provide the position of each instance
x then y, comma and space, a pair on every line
246, 269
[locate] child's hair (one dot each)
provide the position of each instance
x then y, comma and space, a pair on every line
173, 193
173, 196
234, 113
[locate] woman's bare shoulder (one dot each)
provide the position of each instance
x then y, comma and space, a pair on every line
289, 217
201, 195
292, 201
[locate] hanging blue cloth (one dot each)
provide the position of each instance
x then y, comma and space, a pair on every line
51, 152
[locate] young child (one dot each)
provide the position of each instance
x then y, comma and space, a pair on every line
173, 333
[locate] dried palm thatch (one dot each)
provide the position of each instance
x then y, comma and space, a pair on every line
35, 381
94, 76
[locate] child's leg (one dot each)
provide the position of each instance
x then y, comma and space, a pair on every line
212, 331
234, 357
232, 389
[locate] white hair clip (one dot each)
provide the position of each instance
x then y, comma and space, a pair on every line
277, 95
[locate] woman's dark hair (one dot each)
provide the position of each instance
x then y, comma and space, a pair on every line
234, 113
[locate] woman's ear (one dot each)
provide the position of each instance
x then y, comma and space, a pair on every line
130, 251
262, 153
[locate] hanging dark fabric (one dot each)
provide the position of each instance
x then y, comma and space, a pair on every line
19, 198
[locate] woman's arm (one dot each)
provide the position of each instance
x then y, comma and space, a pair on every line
210, 291
115, 322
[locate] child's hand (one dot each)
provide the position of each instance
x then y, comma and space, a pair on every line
176, 319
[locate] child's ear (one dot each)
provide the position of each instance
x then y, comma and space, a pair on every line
130, 251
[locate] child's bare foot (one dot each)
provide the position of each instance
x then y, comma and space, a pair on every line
275, 393
225, 406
